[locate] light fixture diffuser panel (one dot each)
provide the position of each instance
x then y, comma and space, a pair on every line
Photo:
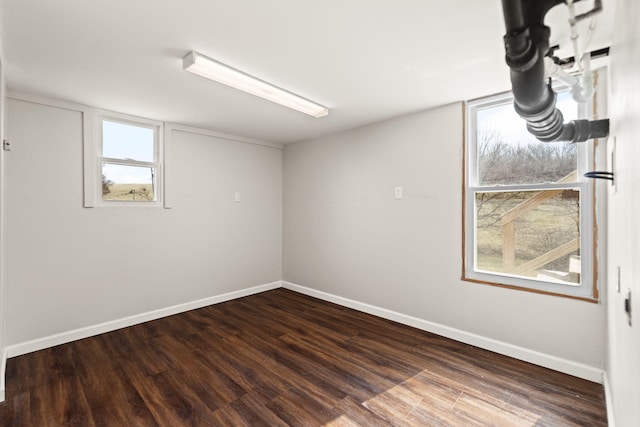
221, 73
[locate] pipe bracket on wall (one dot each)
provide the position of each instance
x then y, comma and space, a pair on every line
599, 175
627, 307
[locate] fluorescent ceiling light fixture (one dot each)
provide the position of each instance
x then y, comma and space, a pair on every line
221, 73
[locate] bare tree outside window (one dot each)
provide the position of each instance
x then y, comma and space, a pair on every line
516, 228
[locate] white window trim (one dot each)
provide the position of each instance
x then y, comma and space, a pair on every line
93, 159
586, 290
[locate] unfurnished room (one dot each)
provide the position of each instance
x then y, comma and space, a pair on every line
338, 213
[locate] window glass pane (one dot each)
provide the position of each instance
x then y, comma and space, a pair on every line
130, 183
123, 141
529, 234
508, 154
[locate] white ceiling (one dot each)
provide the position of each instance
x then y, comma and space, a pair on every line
367, 60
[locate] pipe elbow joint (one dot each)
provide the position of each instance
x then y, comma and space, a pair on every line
584, 130
521, 53
554, 130
547, 128
578, 130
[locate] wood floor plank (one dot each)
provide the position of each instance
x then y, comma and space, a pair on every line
171, 403
280, 358
296, 409
354, 412
485, 411
345, 377
114, 400
252, 409
283, 375
123, 343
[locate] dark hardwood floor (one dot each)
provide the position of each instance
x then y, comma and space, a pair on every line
280, 358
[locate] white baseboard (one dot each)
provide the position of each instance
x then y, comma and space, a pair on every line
65, 337
537, 358
548, 361
611, 419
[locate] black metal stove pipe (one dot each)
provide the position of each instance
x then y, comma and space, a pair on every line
526, 45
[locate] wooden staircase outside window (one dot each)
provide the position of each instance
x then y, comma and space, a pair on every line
509, 233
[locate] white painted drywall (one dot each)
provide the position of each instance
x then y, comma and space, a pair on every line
345, 234
2, 231
623, 346
71, 267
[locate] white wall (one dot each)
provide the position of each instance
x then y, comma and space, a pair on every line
71, 267
623, 355
2, 231
346, 235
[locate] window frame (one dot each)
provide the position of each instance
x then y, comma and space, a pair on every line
98, 159
587, 289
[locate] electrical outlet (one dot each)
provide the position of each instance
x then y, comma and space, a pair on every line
6, 145
398, 193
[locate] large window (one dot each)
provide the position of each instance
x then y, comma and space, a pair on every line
129, 161
528, 208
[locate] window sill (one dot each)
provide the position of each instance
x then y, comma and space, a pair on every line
532, 290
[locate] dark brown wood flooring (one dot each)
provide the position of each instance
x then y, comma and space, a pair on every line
280, 358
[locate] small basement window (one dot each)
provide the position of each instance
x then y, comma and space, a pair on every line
129, 161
